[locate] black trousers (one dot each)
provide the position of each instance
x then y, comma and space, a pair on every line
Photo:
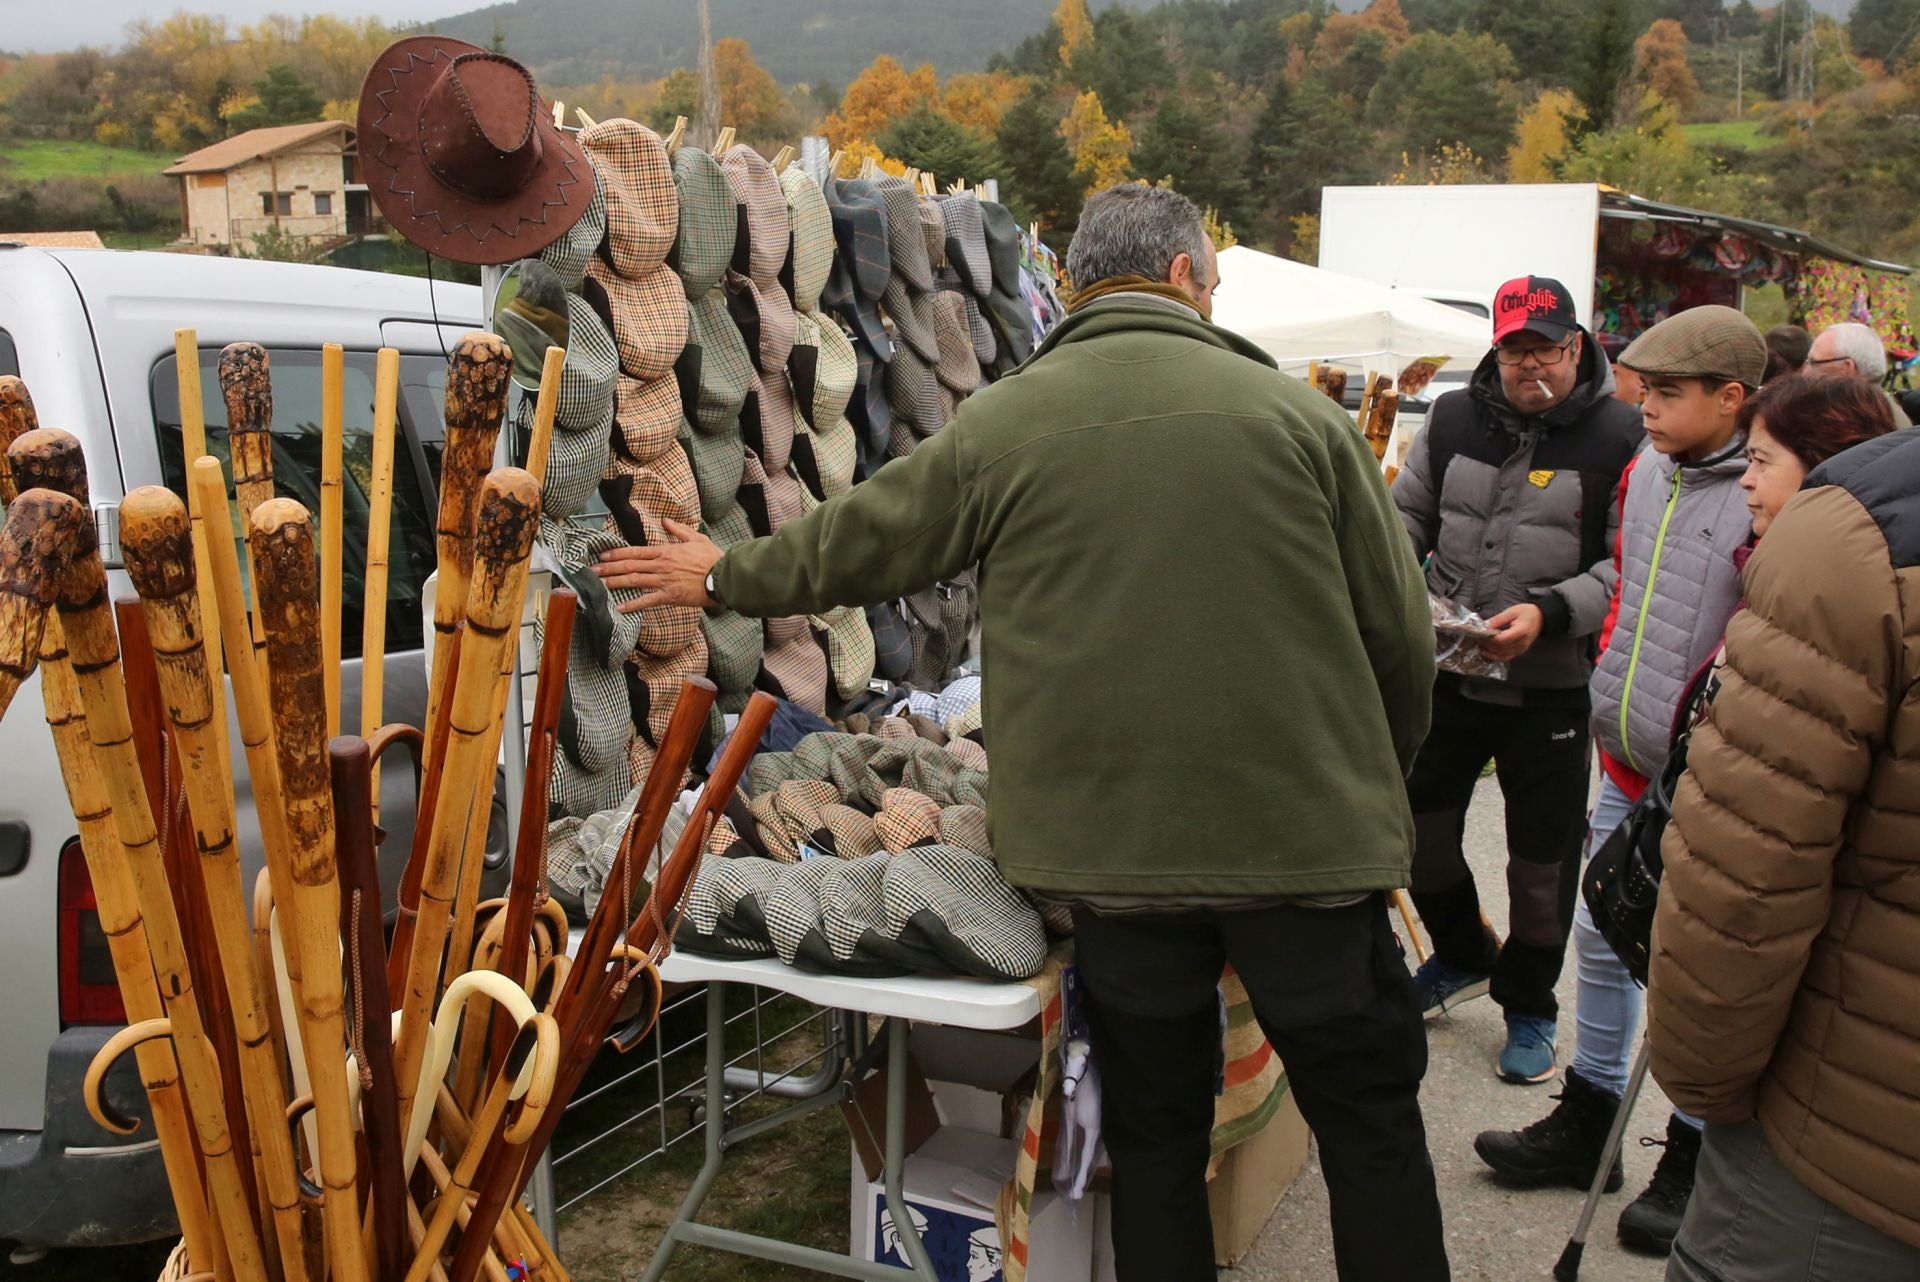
1543, 764
1330, 991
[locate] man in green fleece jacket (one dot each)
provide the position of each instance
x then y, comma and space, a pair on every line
1208, 658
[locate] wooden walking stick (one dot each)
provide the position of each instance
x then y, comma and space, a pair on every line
503, 538
407, 906
193, 443
247, 386
333, 395
477, 381
545, 408
16, 420
373, 626
95, 656
281, 539
350, 762
156, 536
45, 531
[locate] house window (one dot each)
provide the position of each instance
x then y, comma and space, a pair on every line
269, 200
322, 203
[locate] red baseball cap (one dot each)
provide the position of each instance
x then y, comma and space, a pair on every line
1538, 304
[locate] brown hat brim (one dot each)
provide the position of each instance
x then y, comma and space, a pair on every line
425, 210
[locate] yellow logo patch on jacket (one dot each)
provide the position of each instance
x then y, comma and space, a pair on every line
1540, 480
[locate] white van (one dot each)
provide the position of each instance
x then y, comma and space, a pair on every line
92, 333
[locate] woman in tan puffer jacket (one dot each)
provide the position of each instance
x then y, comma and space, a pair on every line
1785, 992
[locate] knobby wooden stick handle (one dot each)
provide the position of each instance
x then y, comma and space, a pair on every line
333, 395
156, 536
373, 627
281, 539
46, 532
503, 537
478, 375
95, 652
16, 419
193, 444
246, 384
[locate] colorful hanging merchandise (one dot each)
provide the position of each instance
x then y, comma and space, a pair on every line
649, 479
1039, 286
715, 375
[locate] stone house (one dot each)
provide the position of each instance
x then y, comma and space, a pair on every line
298, 178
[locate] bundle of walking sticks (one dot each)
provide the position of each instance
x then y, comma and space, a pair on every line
330, 1102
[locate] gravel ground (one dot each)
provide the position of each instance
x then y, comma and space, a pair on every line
1493, 1233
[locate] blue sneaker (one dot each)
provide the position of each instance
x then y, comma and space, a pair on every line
1527, 1059
1440, 987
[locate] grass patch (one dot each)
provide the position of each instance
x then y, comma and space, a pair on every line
1743, 134
37, 159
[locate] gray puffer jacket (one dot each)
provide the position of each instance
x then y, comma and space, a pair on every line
1681, 525
1509, 508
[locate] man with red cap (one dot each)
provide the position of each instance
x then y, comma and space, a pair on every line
1509, 497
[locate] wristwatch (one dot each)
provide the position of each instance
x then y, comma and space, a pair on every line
713, 592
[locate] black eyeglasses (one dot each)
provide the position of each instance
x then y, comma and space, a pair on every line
1826, 360
1547, 357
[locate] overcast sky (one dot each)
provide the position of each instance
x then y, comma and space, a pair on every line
31, 25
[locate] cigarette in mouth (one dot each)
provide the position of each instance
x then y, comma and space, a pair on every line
1544, 389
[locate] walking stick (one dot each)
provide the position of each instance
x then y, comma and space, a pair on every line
477, 380
1567, 1268
281, 539
95, 653
351, 765
333, 395
373, 626
247, 387
156, 535
1405, 910
44, 533
407, 908
193, 442
503, 538
17, 418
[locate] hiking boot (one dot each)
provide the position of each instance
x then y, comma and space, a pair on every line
1527, 1058
1439, 987
1652, 1220
1562, 1148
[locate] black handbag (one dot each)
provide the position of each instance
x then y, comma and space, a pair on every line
1621, 883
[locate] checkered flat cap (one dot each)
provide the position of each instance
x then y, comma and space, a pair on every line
956, 904
824, 368
812, 223
647, 417
643, 205
966, 827
849, 643
650, 321
568, 256
709, 222
718, 463
907, 234
735, 645
716, 889
1701, 342
765, 319
968, 753
769, 230
958, 369
913, 391
967, 241
798, 665
854, 835
911, 311
726, 371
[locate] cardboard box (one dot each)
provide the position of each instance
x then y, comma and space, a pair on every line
951, 1183
973, 1073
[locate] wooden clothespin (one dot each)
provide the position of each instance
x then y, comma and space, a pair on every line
679, 132
586, 121
724, 142
781, 159
928, 187
559, 114
833, 164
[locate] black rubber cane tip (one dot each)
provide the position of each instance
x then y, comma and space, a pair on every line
1568, 1269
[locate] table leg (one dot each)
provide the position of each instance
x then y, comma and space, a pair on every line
716, 1131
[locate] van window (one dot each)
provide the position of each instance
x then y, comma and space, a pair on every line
296, 468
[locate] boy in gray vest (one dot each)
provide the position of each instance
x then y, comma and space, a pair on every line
1683, 518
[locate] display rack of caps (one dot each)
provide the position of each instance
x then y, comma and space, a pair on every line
742, 344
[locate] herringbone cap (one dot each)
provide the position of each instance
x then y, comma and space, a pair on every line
1701, 342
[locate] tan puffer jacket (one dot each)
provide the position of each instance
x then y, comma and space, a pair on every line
1786, 952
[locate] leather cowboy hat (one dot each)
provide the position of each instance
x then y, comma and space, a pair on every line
462, 157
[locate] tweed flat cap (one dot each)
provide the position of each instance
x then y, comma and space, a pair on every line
824, 369
769, 231
958, 368
584, 414
735, 645
716, 891
647, 418
812, 222
911, 311
726, 369
968, 753
1701, 342
966, 827
765, 319
650, 318
849, 643
967, 241
854, 836
870, 411
795, 662
718, 462
658, 688
933, 226
643, 206
825, 460
906, 233
914, 393
1003, 246
949, 901
986, 349
568, 256
768, 430
709, 221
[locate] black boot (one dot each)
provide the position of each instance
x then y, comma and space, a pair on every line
1652, 1220
1561, 1148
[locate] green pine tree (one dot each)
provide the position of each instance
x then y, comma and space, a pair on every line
1038, 182
1189, 143
284, 99
1606, 57
927, 140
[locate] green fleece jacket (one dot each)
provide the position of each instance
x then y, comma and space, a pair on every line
1207, 649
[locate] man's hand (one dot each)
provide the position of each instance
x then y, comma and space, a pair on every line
1518, 628
675, 574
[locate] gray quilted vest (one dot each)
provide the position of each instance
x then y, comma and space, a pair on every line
1678, 587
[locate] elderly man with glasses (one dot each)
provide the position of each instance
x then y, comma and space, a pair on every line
1852, 350
1509, 497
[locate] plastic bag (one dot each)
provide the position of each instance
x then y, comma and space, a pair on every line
1457, 634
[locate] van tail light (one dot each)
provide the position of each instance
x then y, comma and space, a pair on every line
89, 990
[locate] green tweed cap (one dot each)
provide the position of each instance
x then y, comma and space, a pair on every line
1701, 342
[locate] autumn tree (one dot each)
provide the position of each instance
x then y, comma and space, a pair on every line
1076, 29
1660, 65
978, 100
279, 98
1306, 138
1543, 137
929, 141
1102, 149
1125, 62
1884, 29
878, 96
750, 98
1453, 89
1188, 142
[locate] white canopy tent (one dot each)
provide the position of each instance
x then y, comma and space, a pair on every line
1300, 314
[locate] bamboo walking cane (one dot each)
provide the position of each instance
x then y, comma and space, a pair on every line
503, 538
477, 381
17, 418
333, 395
44, 532
373, 626
193, 442
95, 656
281, 539
407, 906
350, 762
156, 535
118, 906
441, 1177
246, 384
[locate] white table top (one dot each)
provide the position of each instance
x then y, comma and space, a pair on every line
955, 1000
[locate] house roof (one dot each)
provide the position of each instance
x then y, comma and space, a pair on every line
255, 144
53, 239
